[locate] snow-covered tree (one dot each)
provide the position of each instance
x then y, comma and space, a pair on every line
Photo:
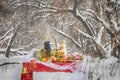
96, 20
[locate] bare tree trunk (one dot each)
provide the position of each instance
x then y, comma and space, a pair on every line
11, 41
100, 51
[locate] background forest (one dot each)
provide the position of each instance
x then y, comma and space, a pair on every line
90, 27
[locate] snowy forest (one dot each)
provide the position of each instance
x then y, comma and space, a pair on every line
90, 28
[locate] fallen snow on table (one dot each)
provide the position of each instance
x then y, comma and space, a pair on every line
52, 76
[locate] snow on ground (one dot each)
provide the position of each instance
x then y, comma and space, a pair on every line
11, 71
105, 69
